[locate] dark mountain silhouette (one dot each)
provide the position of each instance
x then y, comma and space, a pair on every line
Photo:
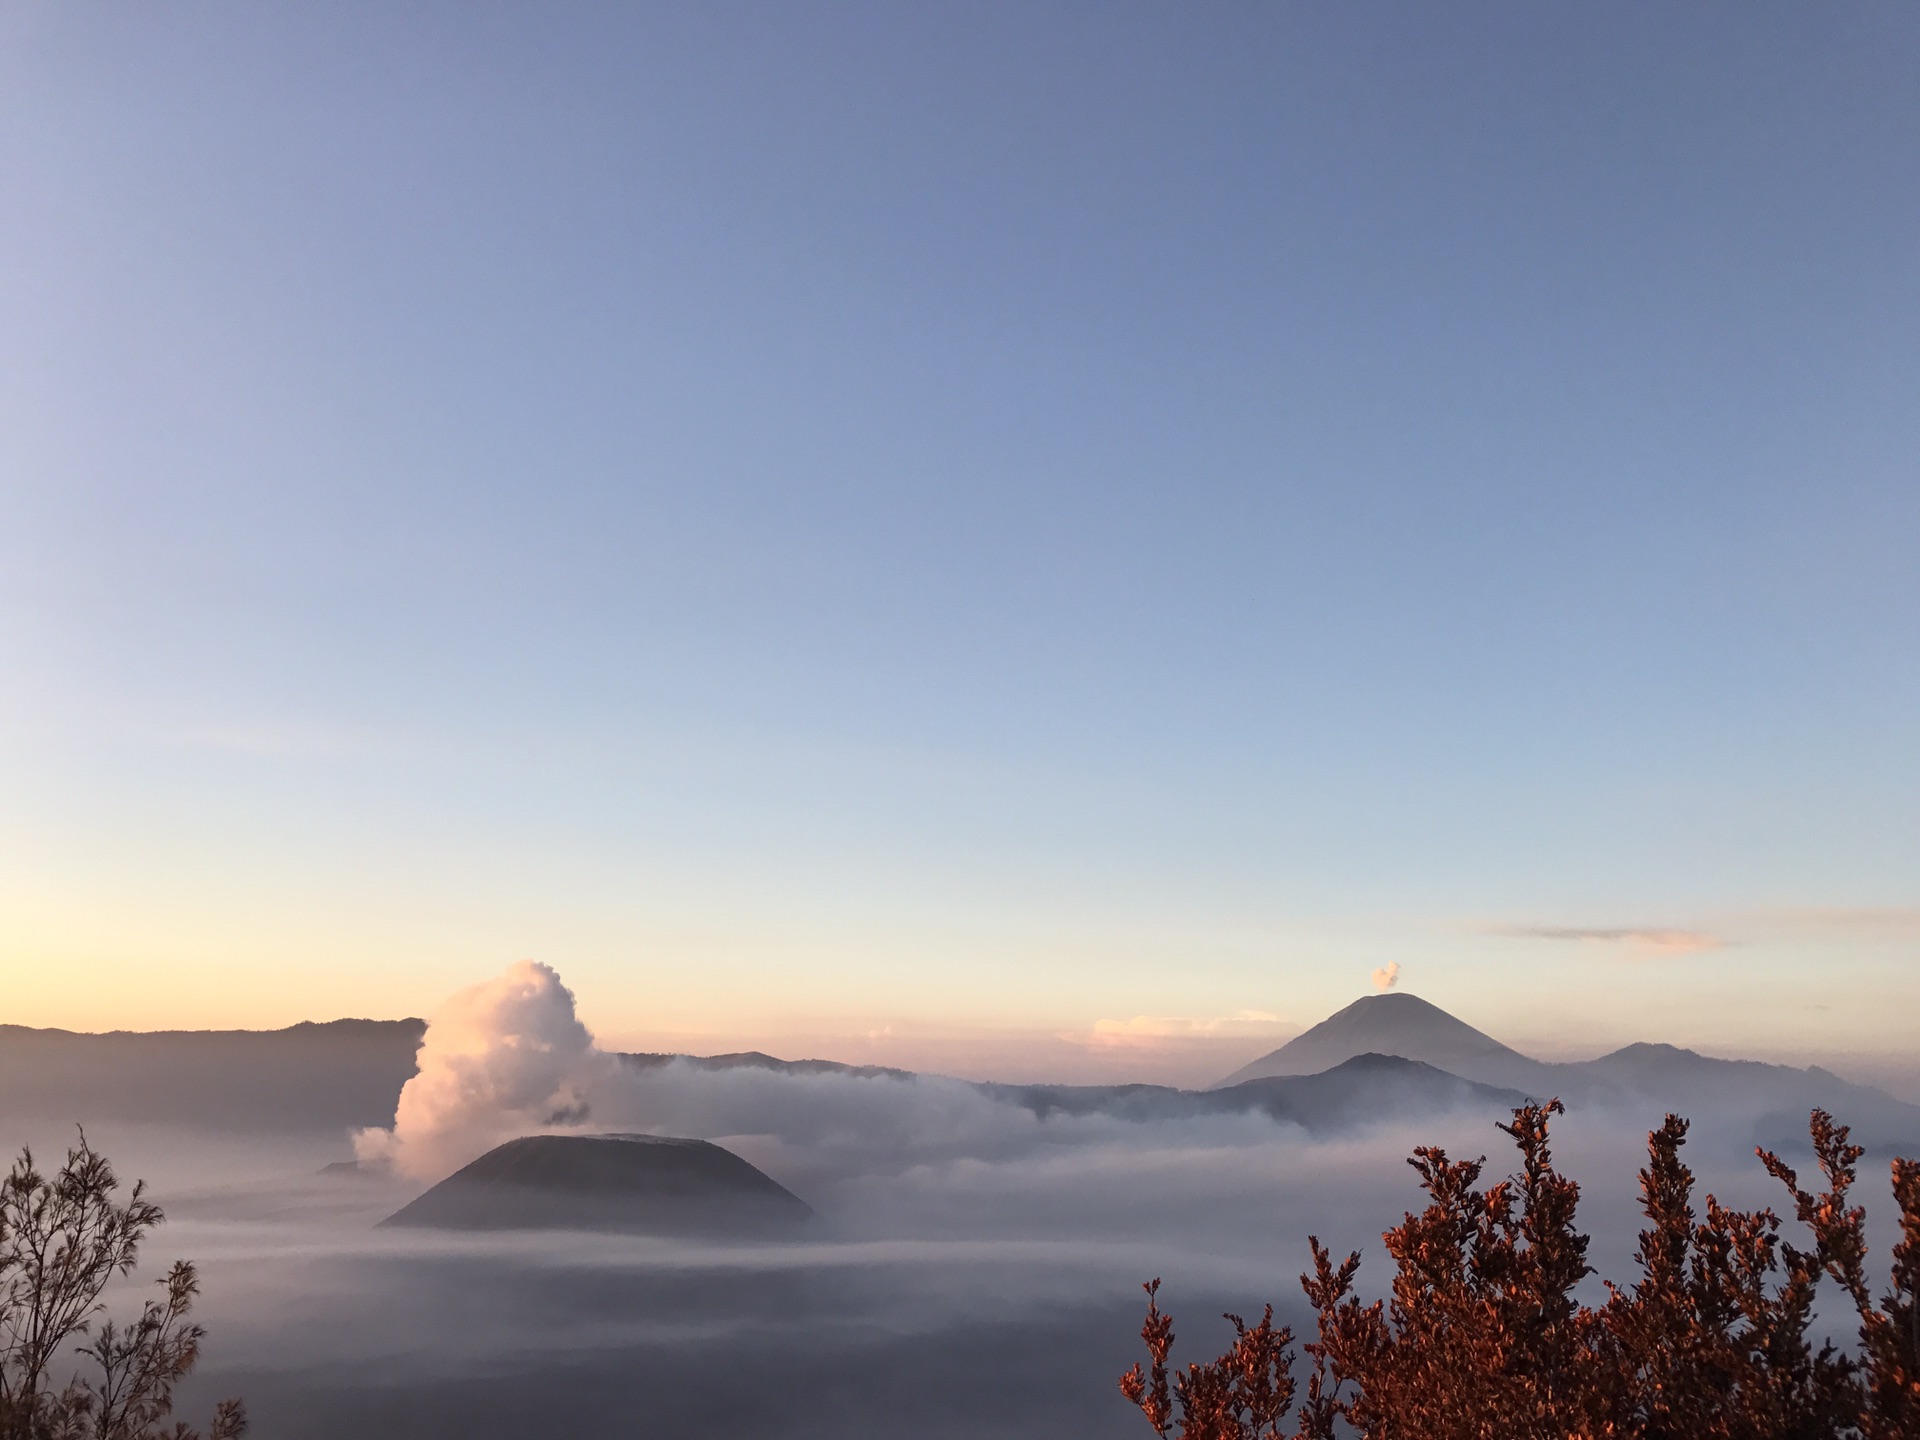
1367, 1090
1645, 1077
336, 1075
1685, 1080
348, 1073
1403, 1025
1360, 1091
646, 1184
759, 1060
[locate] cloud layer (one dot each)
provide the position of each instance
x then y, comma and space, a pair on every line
1637, 941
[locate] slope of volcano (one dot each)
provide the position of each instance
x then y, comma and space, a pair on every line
647, 1184
1403, 1025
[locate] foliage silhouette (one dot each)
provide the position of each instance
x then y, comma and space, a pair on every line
1481, 1334
63, 1238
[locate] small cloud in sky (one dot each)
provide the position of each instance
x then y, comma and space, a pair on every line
1387, 976
1156, 1031
1640, 942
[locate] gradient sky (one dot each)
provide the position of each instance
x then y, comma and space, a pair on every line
1029, 538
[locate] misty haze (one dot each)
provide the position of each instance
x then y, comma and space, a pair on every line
549, 1238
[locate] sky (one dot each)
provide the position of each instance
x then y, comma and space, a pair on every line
1041, 540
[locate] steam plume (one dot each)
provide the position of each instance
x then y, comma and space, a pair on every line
1387, 976
500, 1059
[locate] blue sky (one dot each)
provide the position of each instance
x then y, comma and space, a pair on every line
921, 530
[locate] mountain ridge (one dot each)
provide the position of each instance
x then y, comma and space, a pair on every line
314, 1075
348, 1073
1361, 1090
1779, 1097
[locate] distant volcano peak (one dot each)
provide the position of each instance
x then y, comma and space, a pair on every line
1397, 1024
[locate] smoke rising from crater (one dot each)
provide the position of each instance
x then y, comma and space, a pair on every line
499, 1059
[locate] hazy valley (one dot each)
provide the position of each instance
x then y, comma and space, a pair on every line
970, 1264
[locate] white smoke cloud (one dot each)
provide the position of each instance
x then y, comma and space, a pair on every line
502, 1058
1387, 976
509, 1057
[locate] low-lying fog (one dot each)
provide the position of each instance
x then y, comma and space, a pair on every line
990, 1290
975, 1270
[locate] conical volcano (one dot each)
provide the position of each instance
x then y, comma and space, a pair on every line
647, 1184
1403, 1025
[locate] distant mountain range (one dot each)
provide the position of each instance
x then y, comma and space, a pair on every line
1386, 1057
1778, 1097
760, 1060
1361, 1090
308, 1077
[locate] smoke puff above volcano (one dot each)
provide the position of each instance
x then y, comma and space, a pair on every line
499, 1059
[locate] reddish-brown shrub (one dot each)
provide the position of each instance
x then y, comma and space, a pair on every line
1481, 1337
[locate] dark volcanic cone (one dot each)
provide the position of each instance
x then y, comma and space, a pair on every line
646, 1184
1407, 1026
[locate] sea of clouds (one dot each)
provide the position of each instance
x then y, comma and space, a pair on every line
975, 1272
